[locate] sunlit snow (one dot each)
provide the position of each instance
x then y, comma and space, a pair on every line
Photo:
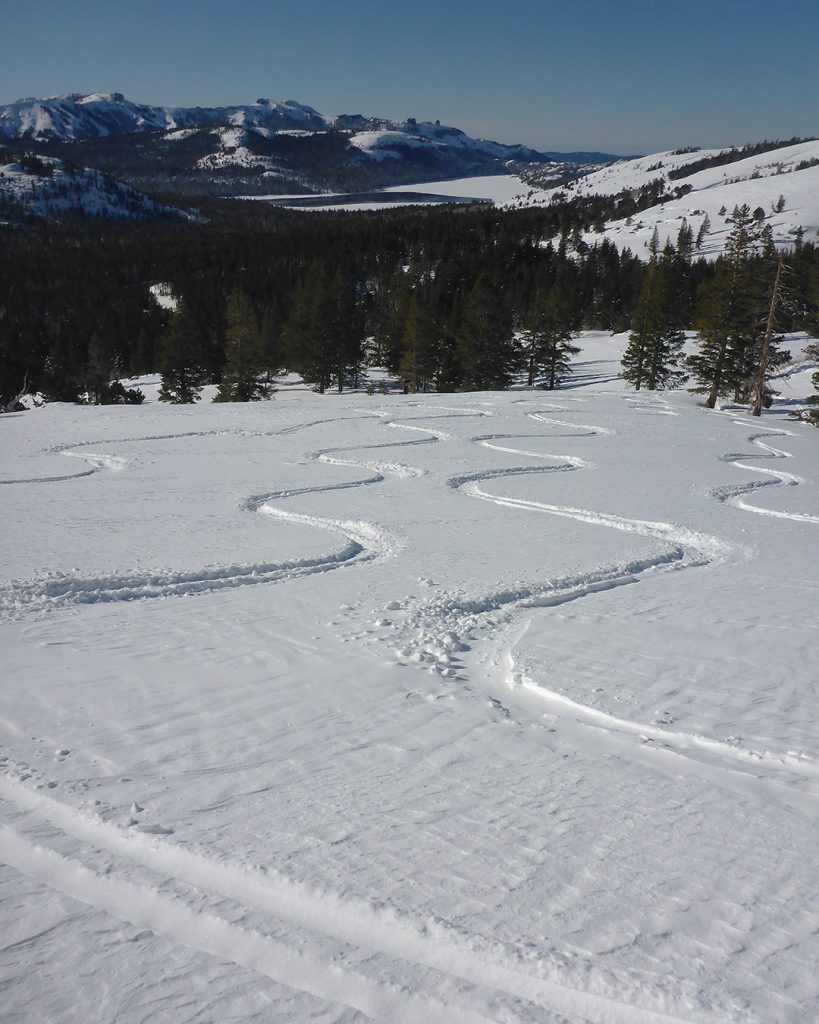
434, 708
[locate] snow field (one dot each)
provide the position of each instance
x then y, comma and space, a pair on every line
487, 707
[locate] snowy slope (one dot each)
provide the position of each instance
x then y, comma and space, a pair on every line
800, 190
55, 190
758, 180
232, 150
383, 144
447, 709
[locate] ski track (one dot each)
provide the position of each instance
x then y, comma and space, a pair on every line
144, 907
690, 549
654, 406
581, 994
365, 541
96, 462
733, 494
442, 623
583, 428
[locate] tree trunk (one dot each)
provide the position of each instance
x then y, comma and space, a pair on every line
717, 382
758, 390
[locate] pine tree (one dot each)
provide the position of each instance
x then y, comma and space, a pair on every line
811, 414
487, 351
685, 242
419, 358
547, 339
704, 231
385, 319
301, 337
344, 328
324, 334
181, 360
100, 367
729, 321
244, 353
653, 354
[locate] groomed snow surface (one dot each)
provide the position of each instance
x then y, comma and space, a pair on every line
447, 708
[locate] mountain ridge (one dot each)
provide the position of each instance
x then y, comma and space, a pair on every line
260, 148
79, 116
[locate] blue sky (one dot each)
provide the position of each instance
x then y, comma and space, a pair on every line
625, 76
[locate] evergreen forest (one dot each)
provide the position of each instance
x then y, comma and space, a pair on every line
448, 298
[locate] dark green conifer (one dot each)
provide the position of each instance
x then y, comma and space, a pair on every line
420, 337
181, 360
244, 353
730, 319
547, 339
487, 351
652, 357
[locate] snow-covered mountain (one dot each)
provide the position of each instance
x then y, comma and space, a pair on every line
99, 115
260, 147
702, 187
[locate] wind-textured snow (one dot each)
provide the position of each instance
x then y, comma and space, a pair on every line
438, 708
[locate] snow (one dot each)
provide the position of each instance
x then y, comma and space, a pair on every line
447, 708
162, 294
86, 190
102, 114
233, 152
500, 189
180, 133
800, 190
496, 188
757, 180
384, 144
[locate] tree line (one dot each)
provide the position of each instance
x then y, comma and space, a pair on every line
448, 298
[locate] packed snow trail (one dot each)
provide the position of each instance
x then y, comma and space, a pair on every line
208, 933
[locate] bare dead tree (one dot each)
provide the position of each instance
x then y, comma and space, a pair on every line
758, 388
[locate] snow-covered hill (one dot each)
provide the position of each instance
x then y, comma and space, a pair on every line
434, 709
786, 177
47, 188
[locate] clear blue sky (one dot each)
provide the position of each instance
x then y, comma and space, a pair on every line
624, 76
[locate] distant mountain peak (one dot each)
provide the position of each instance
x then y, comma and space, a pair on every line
100, 114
